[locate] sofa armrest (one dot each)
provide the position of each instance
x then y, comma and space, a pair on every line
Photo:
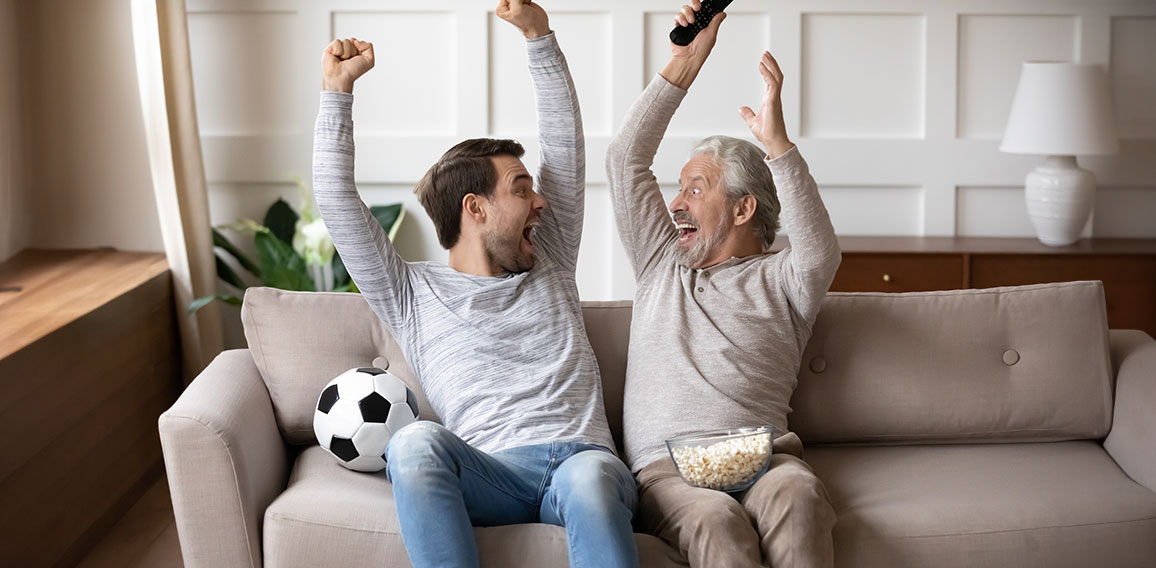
1132, 441
225, 462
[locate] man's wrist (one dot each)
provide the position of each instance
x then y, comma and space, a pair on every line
338, 85
536, 33
778, 146
681, 72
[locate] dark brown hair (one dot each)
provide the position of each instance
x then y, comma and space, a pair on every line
464, 169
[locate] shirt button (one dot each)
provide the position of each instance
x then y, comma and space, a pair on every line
706, 273
700, 289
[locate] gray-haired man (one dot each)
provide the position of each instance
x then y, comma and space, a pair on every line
719, 324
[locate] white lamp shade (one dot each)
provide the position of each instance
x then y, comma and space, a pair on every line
1061, 109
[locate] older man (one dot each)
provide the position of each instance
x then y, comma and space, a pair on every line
719, 323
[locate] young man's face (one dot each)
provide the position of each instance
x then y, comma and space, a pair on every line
702, 214
514, 210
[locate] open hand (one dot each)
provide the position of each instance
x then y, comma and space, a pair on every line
526, 16
343, 61
767, 125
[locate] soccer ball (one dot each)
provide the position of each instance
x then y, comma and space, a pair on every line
358, 412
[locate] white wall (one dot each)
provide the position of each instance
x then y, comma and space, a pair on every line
87, 174
13, 230
898, 105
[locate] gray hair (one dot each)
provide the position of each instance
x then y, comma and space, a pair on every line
746, 173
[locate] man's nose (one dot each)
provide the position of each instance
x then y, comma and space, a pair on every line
539, 201
678, 203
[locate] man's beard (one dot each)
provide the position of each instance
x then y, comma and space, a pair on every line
505, 252
704, 246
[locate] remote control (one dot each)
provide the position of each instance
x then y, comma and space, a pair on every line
684, 35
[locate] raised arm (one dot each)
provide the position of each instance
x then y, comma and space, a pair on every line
376, 268
561, 177
640, 212
814, 253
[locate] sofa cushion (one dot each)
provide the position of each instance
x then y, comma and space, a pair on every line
1028, 363
330, 516
992, 505
302, 340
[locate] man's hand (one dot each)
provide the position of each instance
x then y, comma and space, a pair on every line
687, 61
767, 125
526, 16
343, 61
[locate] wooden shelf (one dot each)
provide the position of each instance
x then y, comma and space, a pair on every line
44, 290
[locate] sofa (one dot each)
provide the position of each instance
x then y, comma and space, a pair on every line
999, 427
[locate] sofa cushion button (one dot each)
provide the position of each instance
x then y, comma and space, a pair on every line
381, 363
818, 365
1011, 357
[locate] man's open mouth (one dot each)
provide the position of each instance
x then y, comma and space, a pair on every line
686, 232
527, 234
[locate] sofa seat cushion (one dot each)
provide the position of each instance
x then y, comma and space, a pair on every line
1042, 504
330, 516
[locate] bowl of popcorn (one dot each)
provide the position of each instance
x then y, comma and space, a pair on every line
728, 460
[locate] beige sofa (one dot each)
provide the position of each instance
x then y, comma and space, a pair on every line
1003, 427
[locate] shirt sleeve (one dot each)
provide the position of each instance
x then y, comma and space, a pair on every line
379, 272
814, 255
562, 175
644, 224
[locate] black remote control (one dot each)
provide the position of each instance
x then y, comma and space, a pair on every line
684, 35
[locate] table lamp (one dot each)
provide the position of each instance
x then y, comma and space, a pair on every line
1061, 110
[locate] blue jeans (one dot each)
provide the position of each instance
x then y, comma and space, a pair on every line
443, 487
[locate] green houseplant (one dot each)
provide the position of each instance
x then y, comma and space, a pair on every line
294, 251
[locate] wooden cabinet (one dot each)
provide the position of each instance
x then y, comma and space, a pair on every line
1127, 267
89, 358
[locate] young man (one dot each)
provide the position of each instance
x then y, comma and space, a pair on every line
719, 325
496, 337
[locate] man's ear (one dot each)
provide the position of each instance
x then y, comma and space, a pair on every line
473, 209
745, 209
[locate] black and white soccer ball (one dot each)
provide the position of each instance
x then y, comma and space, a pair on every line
358, 412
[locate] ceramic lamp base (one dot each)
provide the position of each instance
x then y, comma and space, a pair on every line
1059, 196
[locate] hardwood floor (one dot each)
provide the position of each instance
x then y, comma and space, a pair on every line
146, 537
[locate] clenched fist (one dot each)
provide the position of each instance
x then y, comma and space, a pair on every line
526, 16
343, 61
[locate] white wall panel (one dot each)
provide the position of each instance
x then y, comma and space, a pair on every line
1134, 76
585, 39
412, 89
244, 71
991, 52
1125, 212
729, 80
992, 212
882, 211
847, 58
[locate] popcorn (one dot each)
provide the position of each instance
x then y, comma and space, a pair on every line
723, 465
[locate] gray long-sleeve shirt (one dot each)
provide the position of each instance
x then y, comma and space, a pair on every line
503, 360
718, 347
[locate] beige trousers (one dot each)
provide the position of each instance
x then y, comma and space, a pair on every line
784, 520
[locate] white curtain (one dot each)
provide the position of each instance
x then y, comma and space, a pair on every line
165, 74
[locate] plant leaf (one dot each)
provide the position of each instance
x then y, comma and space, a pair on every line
205, 300
340, 273
280, 265
282, 220
389, 216
226, 273
220, 241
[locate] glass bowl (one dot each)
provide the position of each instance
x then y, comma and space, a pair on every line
729, 460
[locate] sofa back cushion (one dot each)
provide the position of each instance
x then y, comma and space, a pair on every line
1027, 363
302, 340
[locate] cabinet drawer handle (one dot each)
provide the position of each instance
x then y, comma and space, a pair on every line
886, 277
